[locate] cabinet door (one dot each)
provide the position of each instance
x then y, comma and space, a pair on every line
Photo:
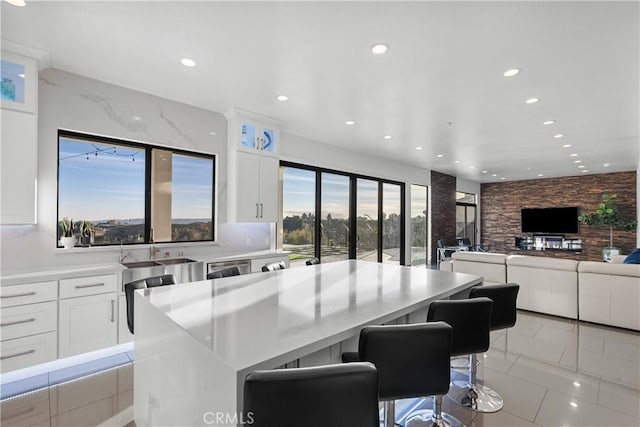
269, 189
87, 324
247, 175
18, 158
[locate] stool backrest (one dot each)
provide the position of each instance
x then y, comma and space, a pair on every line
149, 282
225, 272
274, 266
312, 261
412, 360
503, 314
331, 395
470, 320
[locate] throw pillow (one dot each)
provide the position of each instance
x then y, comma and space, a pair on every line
633, 258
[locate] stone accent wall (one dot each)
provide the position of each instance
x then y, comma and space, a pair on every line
501, 204
443, 210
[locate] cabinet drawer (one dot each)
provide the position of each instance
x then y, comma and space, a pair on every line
82, 286
28, 293
25, 320
28, 351
29, 410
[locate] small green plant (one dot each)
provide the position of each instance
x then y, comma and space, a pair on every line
66, 227
85, 228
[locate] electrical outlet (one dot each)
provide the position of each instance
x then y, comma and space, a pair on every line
249, 243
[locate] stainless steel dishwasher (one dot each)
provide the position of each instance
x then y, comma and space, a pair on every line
244, 265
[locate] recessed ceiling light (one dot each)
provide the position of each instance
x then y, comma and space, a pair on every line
606, 165
577, 161
581, 166
503, 177
494, 174
19, 3
349, 123
576, 383
21, 75
387, 137
456, 161
540, 174
282, 97
212, 133
511, 72
439, 155
484, 171
419, 148
379, 48
549, 122
558, 136
136, 118
584, 171
532, 100
188, 62
566, 146
472, 167
574, 404
573, 155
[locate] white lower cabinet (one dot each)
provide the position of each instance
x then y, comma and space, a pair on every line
87, 323
27, 351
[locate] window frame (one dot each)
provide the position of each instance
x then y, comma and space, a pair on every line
148, 150
353, 198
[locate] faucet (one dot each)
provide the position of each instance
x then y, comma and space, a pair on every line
153, 251
123, 256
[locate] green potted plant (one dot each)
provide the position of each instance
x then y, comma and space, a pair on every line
607, 214
85, 233
67, 239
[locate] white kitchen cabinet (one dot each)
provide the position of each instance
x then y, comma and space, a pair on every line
19, 161
87, 323
27, 351
88, 318
19, 140
257, 184
253, 132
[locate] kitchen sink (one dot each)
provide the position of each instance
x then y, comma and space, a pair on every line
174, 261
138, 264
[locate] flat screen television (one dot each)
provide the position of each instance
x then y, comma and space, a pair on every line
550, 220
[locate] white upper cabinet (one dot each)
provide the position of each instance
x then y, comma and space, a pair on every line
253, 167
19, 139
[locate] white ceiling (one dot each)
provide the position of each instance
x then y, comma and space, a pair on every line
445, 64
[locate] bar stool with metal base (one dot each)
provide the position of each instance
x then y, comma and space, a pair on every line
343, 395
470, 320
412, 361
503, 314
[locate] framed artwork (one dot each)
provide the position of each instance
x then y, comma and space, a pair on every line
18, 82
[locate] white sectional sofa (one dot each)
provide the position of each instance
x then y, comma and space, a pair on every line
547, 285
599, 292
610, 293
491, 266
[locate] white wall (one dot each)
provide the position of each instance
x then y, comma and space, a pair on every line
638, 204
81, 104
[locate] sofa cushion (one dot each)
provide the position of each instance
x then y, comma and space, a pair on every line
480, 257
633, 258
632, 270
543, 262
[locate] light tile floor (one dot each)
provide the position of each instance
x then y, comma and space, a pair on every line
550, 372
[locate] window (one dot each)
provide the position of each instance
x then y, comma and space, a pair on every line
419, 209
121, 192
466, 216
321, 208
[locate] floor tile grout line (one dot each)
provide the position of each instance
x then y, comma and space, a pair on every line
546, 391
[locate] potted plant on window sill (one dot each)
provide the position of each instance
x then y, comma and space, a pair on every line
67, 239
85, 233
607, 214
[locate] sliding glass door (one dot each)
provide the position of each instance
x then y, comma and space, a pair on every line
367, 220
334, 223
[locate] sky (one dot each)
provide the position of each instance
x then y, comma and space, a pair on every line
110, 185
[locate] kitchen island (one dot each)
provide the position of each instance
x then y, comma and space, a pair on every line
196, 342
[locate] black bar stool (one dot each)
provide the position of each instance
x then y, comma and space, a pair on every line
412, 361
149, 282
503, 314
325, 396
470, 320
274, 266
312, 261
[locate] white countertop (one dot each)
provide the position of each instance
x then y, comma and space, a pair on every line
249, 319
